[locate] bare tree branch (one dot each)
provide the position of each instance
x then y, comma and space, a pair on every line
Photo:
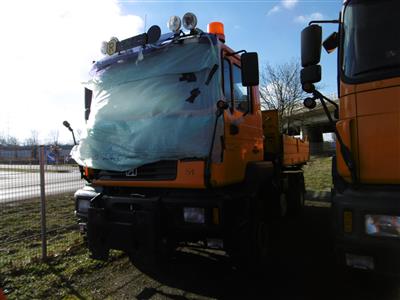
280, 89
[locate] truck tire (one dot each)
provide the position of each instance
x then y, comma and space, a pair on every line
250, 249
295, 194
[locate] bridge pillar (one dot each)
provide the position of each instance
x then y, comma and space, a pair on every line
316, 139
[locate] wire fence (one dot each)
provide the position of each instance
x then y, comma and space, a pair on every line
34, 222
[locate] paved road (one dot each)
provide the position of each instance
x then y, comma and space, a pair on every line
23, 182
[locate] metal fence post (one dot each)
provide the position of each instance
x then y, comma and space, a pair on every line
43, 203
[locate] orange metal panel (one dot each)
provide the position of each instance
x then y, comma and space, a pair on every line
379, 144
380, 84
295, 151
346, 89
344, 129
348, 107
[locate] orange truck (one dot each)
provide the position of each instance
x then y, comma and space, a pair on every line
366, 169
178, 150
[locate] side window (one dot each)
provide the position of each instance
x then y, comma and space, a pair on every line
227, 80
241, 97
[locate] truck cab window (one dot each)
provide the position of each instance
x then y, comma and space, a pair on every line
227, 80
240, 92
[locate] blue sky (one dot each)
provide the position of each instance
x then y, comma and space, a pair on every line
53, 43
271, 28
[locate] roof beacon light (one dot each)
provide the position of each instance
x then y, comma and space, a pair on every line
189, 21
217, 28
174, 24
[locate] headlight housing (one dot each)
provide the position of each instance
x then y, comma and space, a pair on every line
194, 215
174, 24
82, 205
189, 21
382, 225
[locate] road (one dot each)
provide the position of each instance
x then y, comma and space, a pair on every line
18, 182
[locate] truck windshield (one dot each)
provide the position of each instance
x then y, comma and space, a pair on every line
371, 44
159, 105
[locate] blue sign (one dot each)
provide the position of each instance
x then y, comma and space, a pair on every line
51, 158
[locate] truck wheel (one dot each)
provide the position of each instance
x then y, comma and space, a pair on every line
99, 253
295, 194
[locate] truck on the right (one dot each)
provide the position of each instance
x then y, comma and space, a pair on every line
366, 167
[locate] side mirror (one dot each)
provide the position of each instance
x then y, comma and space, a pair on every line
250, 74
310, 74
88, 102
311, 39
331, 42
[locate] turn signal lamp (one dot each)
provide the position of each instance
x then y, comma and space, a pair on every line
347, 221
88, 172
217, 28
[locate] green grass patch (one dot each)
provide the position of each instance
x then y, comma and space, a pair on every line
317, 174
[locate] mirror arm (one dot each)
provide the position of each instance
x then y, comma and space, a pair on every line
324, 21
237, 52
344, 150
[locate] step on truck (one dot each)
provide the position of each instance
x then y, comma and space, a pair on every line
366, 169
178, 150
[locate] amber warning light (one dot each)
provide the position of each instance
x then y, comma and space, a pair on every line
217, 28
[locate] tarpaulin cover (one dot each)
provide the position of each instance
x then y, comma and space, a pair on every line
142, 110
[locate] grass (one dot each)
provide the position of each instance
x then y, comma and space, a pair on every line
317, 174
23, 275
69, 273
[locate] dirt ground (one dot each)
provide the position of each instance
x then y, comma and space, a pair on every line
303, 268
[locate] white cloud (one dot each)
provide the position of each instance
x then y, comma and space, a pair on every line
47, 49
303, 19
273, 10
289, 4
285, 4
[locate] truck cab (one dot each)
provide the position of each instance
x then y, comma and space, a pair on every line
366, 169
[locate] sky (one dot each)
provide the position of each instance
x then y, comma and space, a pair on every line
48, 46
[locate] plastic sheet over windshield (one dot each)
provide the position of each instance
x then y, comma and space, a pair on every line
371, 45
153, 106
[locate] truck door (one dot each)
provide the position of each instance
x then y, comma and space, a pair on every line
242, 140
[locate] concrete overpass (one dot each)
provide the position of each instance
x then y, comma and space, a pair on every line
312, 123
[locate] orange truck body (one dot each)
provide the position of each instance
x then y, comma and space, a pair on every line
366, 179
252, 175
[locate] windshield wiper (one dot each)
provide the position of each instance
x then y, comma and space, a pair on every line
380, 68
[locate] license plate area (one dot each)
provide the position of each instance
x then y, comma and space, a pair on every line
360, 261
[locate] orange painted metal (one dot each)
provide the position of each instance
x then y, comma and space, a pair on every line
295, 151
370, 126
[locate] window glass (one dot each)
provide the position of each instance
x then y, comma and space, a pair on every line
227, 80
240, 92
371, 39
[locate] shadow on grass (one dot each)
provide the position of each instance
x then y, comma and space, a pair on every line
302, 268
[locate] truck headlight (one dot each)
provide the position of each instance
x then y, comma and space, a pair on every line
194, 215
382, 225
83, 205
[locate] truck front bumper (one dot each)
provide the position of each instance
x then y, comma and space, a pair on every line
356, 244
143, 225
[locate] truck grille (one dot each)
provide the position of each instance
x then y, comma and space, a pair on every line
161, 170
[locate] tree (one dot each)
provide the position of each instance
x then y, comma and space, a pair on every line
33, 142
280, 89
53, 137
